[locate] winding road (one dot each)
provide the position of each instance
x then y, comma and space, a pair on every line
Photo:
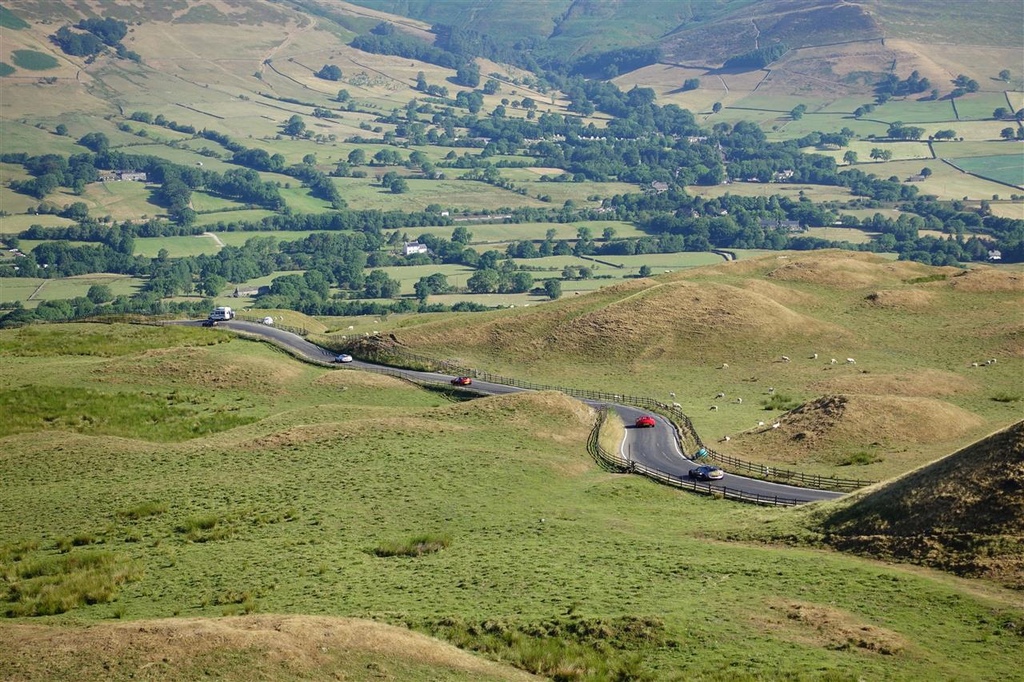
655, 448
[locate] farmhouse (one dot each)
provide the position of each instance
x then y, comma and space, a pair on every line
789, 225
412, 248
119, 175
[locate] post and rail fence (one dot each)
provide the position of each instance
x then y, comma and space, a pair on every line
686, 435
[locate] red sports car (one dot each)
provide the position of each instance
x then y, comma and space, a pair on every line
645, 422
461, 381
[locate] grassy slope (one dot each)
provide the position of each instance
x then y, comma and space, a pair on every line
281, 516
914, 344
964, 513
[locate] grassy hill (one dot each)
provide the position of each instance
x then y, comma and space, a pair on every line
244, 648
964, 513
913, 331
292, 498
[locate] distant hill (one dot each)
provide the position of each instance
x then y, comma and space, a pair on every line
711, 31
964, 513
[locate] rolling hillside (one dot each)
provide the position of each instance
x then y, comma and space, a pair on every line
913, 393
963, 514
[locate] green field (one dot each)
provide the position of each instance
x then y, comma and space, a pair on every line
176, 247
1007, 168
30, 291
302, 474
31, 60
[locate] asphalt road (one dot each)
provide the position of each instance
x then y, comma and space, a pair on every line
655, 448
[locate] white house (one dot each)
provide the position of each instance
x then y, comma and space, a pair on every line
412, 248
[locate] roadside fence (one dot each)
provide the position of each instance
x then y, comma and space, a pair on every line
689, 440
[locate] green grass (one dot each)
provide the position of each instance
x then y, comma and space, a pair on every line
176, 247
1006, 168
21, 288
551, 562
9, 19
30, 60
415, 546
52, 584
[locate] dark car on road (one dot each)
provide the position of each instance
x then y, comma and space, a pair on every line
707, 473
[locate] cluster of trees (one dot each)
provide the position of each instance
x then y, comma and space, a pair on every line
96, 34
329, 72
756, 59
890, 85
963, 85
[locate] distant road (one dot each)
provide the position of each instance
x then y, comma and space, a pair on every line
655, 448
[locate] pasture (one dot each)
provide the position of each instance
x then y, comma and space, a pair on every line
1006, 168
767, 189
176, 247
327, 465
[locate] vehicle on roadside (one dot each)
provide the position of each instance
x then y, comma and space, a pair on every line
269, 321
344, 357
209, 323
707, 473
461, 381
645, 421
222, 313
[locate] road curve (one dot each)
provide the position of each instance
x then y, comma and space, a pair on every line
655, 448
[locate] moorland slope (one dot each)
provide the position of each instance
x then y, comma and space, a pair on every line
963, 514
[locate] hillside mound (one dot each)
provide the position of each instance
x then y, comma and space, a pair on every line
923, 383
825, 427
901, 299
242, 648
988, 280
963, 513
847, 270
673, 319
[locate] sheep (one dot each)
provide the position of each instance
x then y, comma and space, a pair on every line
677, 406
760, 423
975, 364
834, 361
719, 395
739, 401
725, 365
992, 361
814, 356
724, 439
350, 327
671, 395
713, 408
776, 425
771, 390
851, 361
785, 358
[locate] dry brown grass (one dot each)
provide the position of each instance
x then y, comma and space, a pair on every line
347, 378
201, 367
781, 294
988, 280
827, 627
907, 300
925, 383
963, 513
244, 648
847, 271
305, 434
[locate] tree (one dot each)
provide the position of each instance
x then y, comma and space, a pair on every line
850, 157
484, 281
357, 157
645, 271
492, 87
99, 293
329, 72
61, 129
1007, 133
553, 288
1004, 75
399, 186
797, 112
97, 142
1001, 113
521, 282
309, 159
379, 285
212, 284
691, 84
716, 107
295, 126
343, 96
460, 235
468, 74
926, 172
880, 154
609, 233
